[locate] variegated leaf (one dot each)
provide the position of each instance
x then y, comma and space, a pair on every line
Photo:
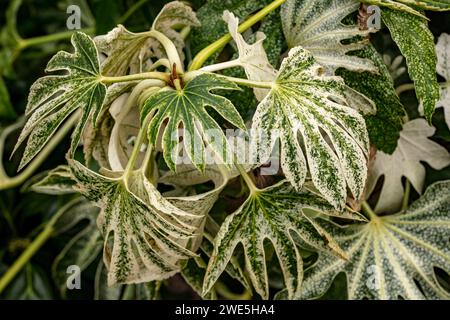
413, 148
384, 127
334, 136
173, 17
140, 291
142, 230
186, 107
128, 52
393, 256
55, 182
272, 214
53, 98
252, 57
409, 5
317, 26
411, 32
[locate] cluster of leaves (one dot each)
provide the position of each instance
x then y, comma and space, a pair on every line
167, 191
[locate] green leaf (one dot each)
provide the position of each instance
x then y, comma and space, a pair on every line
188, 107
305, 100
434, 5
145, 236
316, 25
83, 248
9, 39
409, 5
193, 273
275, 214
53, 98
411, 32
30, 284
384, 127
391, 256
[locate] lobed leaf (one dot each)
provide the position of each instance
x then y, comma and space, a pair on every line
53, 98
393, 256
414, 147
275, 214
334, 136
187, 108
142, 230
316, 25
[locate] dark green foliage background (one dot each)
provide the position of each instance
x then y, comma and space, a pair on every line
22, 214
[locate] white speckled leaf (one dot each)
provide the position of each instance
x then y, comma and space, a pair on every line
304, 102
252, 57
142, 230
317, 26
272, 214
411, 32
53, 98
128, 52
55, 182
172, 18
414, 147
188, 107
389, 254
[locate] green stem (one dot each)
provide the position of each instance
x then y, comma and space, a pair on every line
135, 153
240, 81
33, 247
7, 182
405, 201
169, 47
250, 184
25, 256
25, 43
250, 83
404, 87
133, 77
204, 54
368, 210
227, 294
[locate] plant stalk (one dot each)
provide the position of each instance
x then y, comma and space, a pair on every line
134, 77
25, 43
33, 248
204, 54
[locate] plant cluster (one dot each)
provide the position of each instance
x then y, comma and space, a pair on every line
272, 158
